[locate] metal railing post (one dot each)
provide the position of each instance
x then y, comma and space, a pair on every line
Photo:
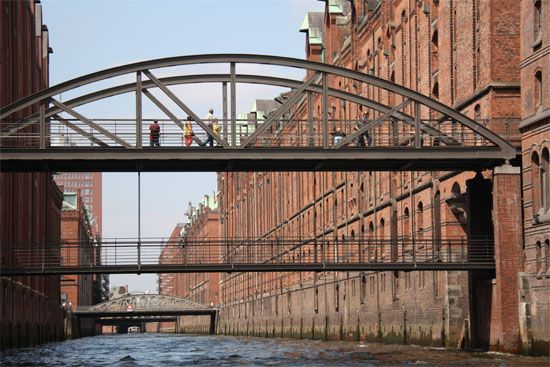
233, 106
325, 111
42, 114
224, 111
417, 132
139, 140
310, 119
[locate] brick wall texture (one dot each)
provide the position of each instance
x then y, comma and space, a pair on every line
30, 203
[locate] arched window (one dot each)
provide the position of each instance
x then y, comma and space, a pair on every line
538, 89
406, 223
545, 179
547, 256
538, 259
537, 24
381, 229
435, 90
477, 112
535, 182
420, 220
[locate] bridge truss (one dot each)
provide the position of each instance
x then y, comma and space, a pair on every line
409, 132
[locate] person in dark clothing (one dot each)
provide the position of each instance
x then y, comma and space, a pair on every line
360, 139
154, 134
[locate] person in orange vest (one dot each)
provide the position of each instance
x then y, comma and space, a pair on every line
154, 134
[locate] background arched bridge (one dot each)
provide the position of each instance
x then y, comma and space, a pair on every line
144, 308
311, 125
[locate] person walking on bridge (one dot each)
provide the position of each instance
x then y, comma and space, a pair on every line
154, 134
188, 132
210, 123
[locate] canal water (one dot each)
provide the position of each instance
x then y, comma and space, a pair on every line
185, 350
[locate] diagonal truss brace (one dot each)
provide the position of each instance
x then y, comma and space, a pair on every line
371, 124
90, 123
184, 107
163, 108
279, 111
84, 133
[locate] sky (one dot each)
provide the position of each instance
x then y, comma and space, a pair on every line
88, 36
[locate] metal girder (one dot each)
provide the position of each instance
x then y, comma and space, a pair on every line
508, 151
184, 107
279, 112
139, 112
371, 124
163, 108
144, 302
195, 159
84, 133
90, 123
267, 267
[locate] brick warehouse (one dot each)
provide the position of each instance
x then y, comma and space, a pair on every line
76, 226
485, 59
203, 224
30, 202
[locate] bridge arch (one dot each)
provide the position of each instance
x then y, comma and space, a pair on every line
415, 120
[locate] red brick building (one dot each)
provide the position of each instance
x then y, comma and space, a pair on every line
467, 54
535, 147
193, 241
91, 190
30, 203
78, 248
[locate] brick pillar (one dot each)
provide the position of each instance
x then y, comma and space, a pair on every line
507, 222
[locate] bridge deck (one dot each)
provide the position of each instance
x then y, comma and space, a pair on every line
253, 159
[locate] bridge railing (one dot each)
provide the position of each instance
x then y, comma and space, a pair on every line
297, 251
286, 133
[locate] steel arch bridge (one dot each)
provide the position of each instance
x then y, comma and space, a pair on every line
144, 305
131, 308
409, 132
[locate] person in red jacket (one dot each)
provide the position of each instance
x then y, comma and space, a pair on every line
154, 134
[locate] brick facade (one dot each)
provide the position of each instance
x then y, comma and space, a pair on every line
78, 249
534, 280
30, 203
466, 54
190, 241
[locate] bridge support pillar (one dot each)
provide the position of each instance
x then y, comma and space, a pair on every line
507, 219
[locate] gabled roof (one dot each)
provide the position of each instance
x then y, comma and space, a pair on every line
314, 25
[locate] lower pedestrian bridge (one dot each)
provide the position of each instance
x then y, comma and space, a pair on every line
142, 308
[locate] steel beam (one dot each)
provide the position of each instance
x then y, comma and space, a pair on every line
371, 124
253, 159
84, 133
310, 119
417, 130
42, 125
163, 108
325, 110
90, 123
229, 268
139, 111
224, 113
184, 107
278, 113
233, 105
